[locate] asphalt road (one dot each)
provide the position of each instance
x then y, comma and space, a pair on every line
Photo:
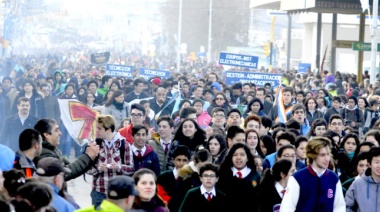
80, 189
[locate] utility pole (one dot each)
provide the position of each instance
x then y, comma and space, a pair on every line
209, 33
179, 37
375, 12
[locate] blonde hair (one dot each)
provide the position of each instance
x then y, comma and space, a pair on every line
314, 146
107, 121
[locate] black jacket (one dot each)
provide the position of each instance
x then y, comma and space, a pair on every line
12, 129
156, 108
78, 167
196, 201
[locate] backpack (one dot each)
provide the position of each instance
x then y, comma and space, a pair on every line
356, 113
99, 143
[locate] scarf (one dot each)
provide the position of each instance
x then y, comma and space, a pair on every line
119, 106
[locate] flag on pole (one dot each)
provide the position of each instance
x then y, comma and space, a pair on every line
79, 120
281, 114
365, 5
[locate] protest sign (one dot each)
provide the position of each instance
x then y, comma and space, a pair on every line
258, 78
99, 58
238, 60
148, 73
119, 70
302, 67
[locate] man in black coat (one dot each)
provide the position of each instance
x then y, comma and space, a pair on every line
16, 123
260, 94
50, 133
159, 102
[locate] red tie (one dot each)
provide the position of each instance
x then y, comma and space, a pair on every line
209, 196
240, 175
139, 155
166, 147
283, 192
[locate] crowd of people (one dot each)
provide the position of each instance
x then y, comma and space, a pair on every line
191, 142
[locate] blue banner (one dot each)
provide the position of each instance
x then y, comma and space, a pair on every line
302, 67
258, 78
238, 60
149, 73
119, 70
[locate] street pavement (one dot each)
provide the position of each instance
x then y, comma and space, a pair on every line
80, 189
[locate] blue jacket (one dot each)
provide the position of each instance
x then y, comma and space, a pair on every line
305, 128
269, 160
316, 192
149, 160
59, 202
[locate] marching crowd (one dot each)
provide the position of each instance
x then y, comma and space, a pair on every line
191, 142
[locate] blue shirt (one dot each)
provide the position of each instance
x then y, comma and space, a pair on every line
59, 202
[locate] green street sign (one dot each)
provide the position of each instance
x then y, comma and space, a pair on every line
361, 46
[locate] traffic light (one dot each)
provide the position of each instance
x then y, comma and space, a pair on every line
266, 49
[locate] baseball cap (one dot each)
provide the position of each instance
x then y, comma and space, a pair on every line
120, 187
156, 81
41, 76
49, 167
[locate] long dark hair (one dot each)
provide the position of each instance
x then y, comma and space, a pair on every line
269, 145
115, 94
221, 140
271, 176
251, 103
227, 164
198, 138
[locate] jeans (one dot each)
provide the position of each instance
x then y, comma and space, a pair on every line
97, 198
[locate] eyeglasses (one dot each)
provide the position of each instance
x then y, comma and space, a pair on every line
288, 156
209, 176
219, 99
138, 115
336, 124
218, 116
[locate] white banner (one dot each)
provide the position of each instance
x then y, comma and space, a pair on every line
79, 120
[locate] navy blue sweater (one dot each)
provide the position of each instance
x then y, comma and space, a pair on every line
316, 193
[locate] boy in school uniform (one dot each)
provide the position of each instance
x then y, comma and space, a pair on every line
205, 197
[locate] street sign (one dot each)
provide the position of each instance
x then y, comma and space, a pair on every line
345, 44
360, 46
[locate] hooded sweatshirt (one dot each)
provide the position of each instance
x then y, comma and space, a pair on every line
352, 115
363, 194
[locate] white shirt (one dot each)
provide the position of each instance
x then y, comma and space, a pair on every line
175, 172
134, 150
23, 119
245, 171
279, 189
319, 174
163, 143
205, 192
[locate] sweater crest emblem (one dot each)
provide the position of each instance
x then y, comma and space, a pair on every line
330, 193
